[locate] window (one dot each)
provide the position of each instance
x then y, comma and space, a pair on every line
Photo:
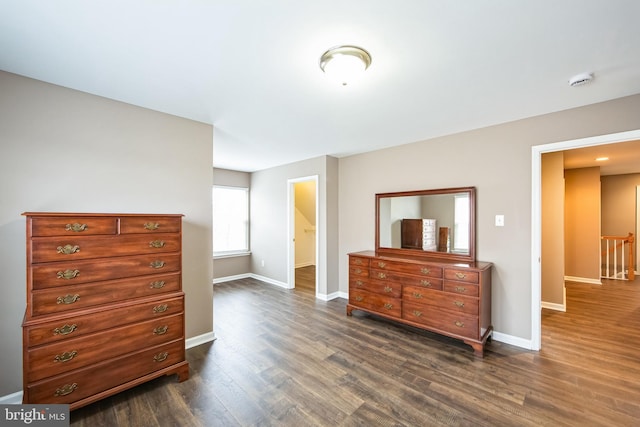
230, 220
461, 223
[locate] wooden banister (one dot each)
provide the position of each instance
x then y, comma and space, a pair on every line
619, 242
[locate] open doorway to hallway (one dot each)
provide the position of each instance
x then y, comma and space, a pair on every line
537, 256
303, 215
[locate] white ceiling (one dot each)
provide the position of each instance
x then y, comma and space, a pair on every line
250, 68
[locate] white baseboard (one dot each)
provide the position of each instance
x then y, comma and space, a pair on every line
582, 280
555, 306
510, 339
230, 278
11, 399
200, 339
269, 280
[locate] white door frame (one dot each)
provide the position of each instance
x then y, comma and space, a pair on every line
291, 231
536, 215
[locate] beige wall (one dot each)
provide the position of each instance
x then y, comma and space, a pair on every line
269, 221
582, 224
497, 161
619, 206
63, 150
238, 265
552, 209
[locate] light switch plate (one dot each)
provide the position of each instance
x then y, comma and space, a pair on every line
499, 220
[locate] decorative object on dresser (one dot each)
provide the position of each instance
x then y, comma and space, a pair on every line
105, 307
444, 290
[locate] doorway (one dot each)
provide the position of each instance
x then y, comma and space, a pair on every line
536, 216
303, 233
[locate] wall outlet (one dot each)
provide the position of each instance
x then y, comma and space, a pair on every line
499, 220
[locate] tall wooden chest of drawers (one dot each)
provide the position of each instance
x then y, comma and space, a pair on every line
105, 307
448, 297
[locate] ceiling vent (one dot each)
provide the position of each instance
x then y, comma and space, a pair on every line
580, 79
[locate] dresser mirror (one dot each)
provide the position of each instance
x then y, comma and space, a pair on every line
427, 223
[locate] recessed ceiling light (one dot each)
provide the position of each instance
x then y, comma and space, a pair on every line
601, 159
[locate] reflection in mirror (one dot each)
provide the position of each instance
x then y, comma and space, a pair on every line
431, 221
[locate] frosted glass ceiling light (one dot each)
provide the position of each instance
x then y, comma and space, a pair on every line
345, 63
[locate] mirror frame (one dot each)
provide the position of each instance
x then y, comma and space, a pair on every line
471, 257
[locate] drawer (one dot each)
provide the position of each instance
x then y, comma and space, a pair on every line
51, 249
150, 224
462, 275
38, 332
392, 289
75, 272
457, 324
358, 271
53, 359
406, 279
85, 382
64, 299
462, 288
376, 302
418, 269
73, 226
359, 261
358, 282
443, 300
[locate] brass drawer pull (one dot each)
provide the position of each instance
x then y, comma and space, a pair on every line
382, 276
388, 289
68, 299
359, 283
68, 249
66, 389
459, 304
388, 306
357, 271
460, 275
151, 225
160, 357
359, 298
161, 330
156, 244
425, 283
417, 313
417, 295
382, 264
157, 264
65, 330
461, 289
66, 356
357, 261
160, 308
159, 284
425, 270
459, 324
75, 227
68, 274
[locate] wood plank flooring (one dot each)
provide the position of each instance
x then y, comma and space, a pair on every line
283, 358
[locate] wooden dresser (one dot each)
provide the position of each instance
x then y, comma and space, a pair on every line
452, 298
105, 307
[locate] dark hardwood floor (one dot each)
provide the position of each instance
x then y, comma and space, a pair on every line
283, 358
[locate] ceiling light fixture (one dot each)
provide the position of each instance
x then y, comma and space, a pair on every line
601, 159
345, 63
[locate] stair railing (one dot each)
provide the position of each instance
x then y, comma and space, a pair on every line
614, 264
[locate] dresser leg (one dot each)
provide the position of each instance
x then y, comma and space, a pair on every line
349, 310
478, 348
